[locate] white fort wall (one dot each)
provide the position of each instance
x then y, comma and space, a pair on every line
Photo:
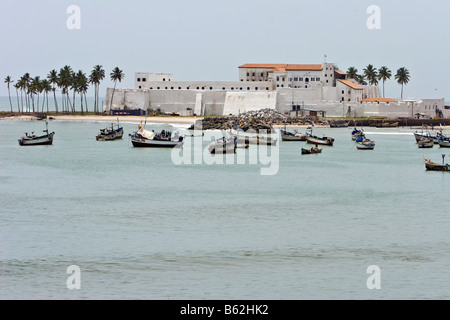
225, 102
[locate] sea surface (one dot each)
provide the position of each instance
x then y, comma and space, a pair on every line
135, 223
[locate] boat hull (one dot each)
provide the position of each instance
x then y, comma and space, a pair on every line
110, 136
324, 142
311, 151
37, 141
444, 143
433, 166
150, 143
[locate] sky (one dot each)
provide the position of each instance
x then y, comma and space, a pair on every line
208, 39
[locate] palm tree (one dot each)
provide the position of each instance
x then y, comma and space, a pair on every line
65, 81
352, 72
384, 74
46, 87
361, 79
97, 74
53, 80
8, 80
17, 86
371, 74
402, 77
116, 75
26, 88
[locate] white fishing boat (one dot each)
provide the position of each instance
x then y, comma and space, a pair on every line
293, 136
312, 139
444, 142
364, 144
163, 139
425, 143
223, 145
33, 140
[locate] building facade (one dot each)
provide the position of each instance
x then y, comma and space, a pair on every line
283, 87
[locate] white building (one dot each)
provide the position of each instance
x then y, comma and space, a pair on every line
284, 87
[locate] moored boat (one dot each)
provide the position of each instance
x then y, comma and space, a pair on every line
110, 133
33, 140
444, 142
311, 150
425, 143
362, 143
356, 133
312, 139
292, 136
433, 166
223, 145
163, 139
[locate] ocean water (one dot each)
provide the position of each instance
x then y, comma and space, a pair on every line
139, 226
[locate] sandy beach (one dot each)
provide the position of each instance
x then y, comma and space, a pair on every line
101, 118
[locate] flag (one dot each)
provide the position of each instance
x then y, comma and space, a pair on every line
140, 126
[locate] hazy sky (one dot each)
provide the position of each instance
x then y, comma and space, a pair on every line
209, 39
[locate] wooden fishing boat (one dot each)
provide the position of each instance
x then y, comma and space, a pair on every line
337, 124
433, 166
356, 133
387, 124
311, 150
425, 143
223, 145
312, 139
163, 139
292, 136
258, 140
110, 133
365, 144
444, 142
33, 140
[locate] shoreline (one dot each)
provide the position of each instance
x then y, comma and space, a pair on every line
101, 118
186, 120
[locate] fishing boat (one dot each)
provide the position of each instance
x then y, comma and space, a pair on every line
425, 143
433, 166
292, 136
33, 140
257, 139
387, 124
311, 150
312, 139
336, 124
110, 133
365, 144
444, 142
163, 139
223, 145
356, 133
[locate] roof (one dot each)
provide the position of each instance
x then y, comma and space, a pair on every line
340, 72
350, 84
378, 100
283, 67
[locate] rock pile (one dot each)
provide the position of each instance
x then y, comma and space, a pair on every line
263, 119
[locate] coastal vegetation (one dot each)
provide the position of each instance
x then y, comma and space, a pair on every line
371, 76
71, 84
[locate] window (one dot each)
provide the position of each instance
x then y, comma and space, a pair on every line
198, 88
140, 87
300, 79
171, 88
139, 79
256, 88
223, 88
248, 88
210, 88
262, 74
157, 88
278, 78
342, 91
318, 79
151, 88
290, 79
325, 74
348, 91
248, 74
253, 74
179, 88
164, 79
295, 78
240, 88
144, 79
267, 88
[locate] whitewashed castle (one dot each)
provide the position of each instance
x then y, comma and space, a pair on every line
312, 89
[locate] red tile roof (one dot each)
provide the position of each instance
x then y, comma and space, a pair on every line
340, 72
283, 67
350, 84
379, 100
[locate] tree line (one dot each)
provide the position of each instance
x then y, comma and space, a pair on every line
69, 82
373, 76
